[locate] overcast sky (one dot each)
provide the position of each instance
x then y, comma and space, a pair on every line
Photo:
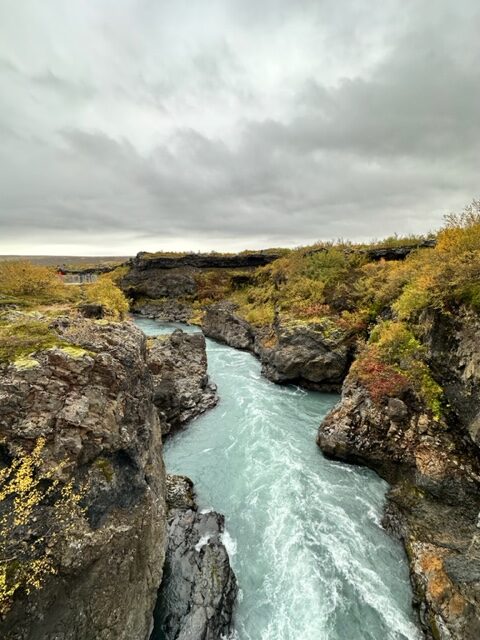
131, 125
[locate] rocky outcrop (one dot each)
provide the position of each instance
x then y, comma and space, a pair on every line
144, 261
399, 252
158, 282
199, 589
453, 344
166, 310
182, 389
162, 276
222, 323
91, 402
313, 355
434, 468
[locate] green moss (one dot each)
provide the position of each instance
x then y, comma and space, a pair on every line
75, 352
106, 468
20, 339
26, 362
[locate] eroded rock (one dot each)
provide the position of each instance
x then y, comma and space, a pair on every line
182, 389
434, 469
199, 588
92, 403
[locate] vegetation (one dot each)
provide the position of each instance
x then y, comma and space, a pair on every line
106, 293
27, 284
392, 362
20, 339
26, 540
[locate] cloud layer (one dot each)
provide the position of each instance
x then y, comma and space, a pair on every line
224, 124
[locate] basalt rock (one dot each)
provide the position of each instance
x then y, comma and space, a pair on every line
222, 323
434, 468
453, 344
166, 310
312, 355
198, 592
182, 389
92, 404
158, 282
158, 276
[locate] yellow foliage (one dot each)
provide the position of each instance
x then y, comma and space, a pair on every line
105, 292
25, 280
25, 487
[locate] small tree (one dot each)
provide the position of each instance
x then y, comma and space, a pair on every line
105, 292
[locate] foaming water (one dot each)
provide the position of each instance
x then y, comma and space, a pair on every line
303, 533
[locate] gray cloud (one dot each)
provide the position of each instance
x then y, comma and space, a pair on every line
135, 124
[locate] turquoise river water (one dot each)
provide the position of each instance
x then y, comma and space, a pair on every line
303, 533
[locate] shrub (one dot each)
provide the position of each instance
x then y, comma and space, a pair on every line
395, 345
381, 380
34, 282
105, 292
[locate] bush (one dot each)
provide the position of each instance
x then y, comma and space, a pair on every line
395, 345
23, 279
381, 380
105, 292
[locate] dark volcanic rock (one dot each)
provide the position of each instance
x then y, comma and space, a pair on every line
198, 592
453, 343
173, 277
92, 310
166, 310
398, 253
312, 355
159, 282
147, 261
434, 469
221, 323
93, 406
182, 389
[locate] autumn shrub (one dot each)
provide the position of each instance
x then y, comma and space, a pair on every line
395, 345
380, 379
105, 292
24, 280
27, 538
449, 274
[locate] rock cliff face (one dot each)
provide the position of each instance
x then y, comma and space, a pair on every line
157, 276
182, 389
92, 404
221, 323
199, 589
311, 355
433, 466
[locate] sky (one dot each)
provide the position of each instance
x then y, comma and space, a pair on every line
131, 125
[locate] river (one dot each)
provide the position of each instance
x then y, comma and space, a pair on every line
304, 534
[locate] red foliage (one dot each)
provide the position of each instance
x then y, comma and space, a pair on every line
379, 379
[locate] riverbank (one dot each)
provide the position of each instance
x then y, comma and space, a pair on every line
310, 555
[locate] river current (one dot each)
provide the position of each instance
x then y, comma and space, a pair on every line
304, 534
